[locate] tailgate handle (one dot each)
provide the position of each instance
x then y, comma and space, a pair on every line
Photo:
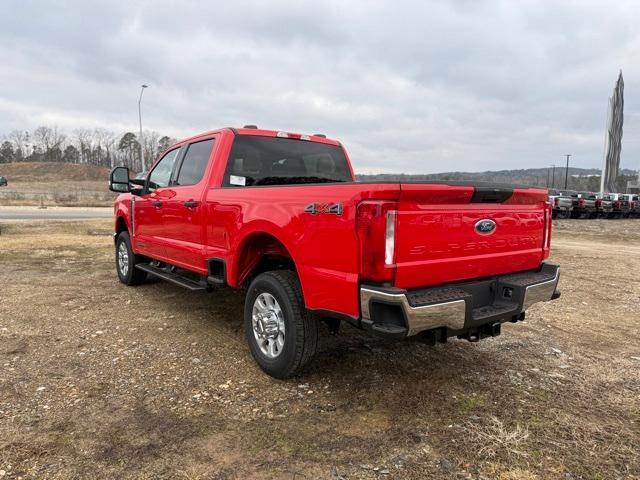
190, 204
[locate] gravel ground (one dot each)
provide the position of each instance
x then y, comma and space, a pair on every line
98, 380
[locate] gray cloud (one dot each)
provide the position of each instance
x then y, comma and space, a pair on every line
407, 86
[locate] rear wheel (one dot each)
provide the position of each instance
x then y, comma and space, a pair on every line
126, 262
282, 334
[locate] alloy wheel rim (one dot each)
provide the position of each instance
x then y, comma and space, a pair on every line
123, 259
268, 325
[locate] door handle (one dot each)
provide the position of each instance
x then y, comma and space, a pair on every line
156, 203
190, 204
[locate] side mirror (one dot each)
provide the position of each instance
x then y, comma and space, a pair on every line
3, 182
119, 180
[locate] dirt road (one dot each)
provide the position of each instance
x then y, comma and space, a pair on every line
101, 380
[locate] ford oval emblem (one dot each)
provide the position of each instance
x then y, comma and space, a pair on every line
485, 226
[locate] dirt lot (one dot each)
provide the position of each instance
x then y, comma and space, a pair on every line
101, 380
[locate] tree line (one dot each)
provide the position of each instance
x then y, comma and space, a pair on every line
99, 147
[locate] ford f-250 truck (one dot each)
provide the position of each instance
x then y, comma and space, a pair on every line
280, 215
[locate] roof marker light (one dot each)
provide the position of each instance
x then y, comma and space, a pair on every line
282, 135
305, 137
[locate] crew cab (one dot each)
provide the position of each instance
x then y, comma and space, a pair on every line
280, 215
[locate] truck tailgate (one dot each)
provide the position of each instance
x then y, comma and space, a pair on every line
439, 237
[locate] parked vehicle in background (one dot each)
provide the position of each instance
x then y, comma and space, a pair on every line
281, 216
3, 182
580, 208
620, 206
634, 204
561, 205
604, 205
588, 202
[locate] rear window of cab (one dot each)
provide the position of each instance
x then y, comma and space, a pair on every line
256, 160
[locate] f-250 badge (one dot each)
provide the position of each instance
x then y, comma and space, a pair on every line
316, 208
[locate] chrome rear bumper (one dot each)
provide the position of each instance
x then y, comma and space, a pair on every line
456, 307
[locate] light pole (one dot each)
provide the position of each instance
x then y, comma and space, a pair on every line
142, 165
553, 177
566, 172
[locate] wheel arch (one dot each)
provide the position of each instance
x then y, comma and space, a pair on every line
121, 225
259, 251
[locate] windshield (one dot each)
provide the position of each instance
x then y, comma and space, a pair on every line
256, 160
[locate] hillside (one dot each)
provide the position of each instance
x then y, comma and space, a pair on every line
52, 183
579, 178
44, 172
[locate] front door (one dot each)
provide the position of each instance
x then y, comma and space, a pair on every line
183, 212
148, 225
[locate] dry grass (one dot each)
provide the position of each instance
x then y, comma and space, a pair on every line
494, 436
100, 380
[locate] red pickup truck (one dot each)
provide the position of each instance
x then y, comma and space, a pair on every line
280, 215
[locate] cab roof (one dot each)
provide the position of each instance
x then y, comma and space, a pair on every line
259, 132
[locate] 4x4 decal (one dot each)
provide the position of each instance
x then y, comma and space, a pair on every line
316, 208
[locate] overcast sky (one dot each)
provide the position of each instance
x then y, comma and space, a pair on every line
407, 86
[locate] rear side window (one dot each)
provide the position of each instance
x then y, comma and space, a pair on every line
195, 162
256, 160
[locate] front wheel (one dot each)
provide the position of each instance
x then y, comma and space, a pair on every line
282, 334
126, 262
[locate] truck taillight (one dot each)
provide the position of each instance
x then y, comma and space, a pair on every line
376, 226
632, 205
581, 202
599, 203
617, 204
548, 222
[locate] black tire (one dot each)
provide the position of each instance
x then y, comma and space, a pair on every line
301, 326
132, 276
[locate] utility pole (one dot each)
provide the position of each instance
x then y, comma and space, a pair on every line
142, 163
548, 176
553, 178
566, 172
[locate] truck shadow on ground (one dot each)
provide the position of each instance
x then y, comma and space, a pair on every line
353, 357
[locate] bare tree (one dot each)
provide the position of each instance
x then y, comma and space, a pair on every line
82, 138
150, 148
20, 140
49, 142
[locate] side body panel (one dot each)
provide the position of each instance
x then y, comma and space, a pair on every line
324, 246
184, 219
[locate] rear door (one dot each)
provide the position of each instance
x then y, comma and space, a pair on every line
450, 233
183, 211
147, 214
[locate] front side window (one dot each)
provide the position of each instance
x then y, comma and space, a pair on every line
161, 174
256, 160
194, 163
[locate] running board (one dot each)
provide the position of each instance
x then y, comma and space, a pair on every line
172, 277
